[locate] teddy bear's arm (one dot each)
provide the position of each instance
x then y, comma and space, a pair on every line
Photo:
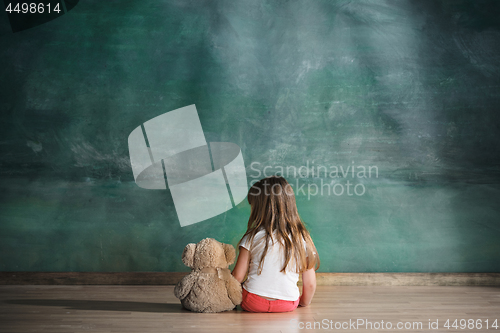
234, 290
184, 286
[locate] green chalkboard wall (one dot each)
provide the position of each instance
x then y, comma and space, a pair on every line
408, 88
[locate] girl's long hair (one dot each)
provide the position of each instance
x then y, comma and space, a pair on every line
273, 209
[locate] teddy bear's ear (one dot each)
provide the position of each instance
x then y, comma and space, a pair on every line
230, 253
188, 255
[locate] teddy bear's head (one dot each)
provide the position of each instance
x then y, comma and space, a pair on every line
208, 253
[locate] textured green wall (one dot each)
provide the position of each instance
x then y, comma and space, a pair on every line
411, 87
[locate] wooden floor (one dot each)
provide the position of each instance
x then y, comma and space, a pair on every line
142, 309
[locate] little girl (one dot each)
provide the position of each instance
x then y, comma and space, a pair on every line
274, 250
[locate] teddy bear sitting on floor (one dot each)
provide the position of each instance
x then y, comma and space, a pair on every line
209, 287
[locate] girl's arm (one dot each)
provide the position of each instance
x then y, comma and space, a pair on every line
308, 287
241, 267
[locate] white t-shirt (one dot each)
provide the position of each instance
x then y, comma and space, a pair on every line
271, 282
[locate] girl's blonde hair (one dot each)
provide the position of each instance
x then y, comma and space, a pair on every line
273, 209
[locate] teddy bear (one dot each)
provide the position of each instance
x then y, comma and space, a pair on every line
209, 287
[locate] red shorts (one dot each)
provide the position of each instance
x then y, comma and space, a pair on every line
255, 303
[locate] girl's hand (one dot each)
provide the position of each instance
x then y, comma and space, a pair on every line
308, 287
241, 267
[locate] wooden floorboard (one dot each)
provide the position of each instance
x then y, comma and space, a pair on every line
142, 309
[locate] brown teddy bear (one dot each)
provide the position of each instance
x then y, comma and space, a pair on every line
209, 287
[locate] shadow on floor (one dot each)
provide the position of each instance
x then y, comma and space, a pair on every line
102, 305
